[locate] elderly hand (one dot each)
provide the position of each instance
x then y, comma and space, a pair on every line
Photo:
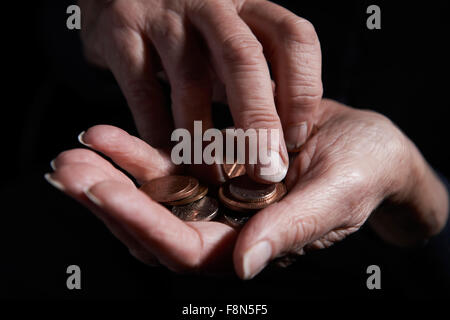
355, 161
198, 41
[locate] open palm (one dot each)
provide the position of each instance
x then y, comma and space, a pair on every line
354, 161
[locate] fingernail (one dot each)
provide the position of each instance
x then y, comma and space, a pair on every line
58, 185
52, 164
296, 136
80, 139
275, 170
256, 258
93, 198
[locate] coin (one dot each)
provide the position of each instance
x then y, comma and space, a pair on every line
236, 221
227, 199
233, 170
170, 188
245, 189
204, 209
201, 191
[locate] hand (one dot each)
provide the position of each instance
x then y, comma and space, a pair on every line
355, 161
198, 41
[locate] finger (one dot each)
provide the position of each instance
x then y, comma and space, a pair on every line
219, 94
240, 64
80, 156
187, 70
74, 179
131, 62
293, 49
144, 256
218, 241
184, 60
317, 205
77, 177
151, 223
329, 239
130, 153
274, 231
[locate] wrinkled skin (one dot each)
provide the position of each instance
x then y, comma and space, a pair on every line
206, 47
355, 161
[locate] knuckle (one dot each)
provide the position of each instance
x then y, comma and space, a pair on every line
319, 244
242, 49
298, 30
304, 229
258, 119
238, 4
119, 15
169, 28
100, 30
198, 7
137, 91
309, 99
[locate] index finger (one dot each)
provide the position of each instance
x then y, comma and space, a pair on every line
296, 60
240, 63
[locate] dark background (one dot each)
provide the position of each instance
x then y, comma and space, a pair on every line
50, 95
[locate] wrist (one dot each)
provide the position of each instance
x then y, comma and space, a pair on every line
427, 196
416, 205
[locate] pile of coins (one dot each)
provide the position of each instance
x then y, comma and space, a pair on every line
243, 197
185, 195
240, 196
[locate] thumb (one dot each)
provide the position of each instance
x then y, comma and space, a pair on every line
316, 210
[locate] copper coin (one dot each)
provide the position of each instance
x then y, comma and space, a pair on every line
245, 189
201, 191
236, 221
170, 188
229, 202
233, 170
204, 209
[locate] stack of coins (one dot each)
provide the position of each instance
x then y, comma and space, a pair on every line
243, 197
185, 195
240, 196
